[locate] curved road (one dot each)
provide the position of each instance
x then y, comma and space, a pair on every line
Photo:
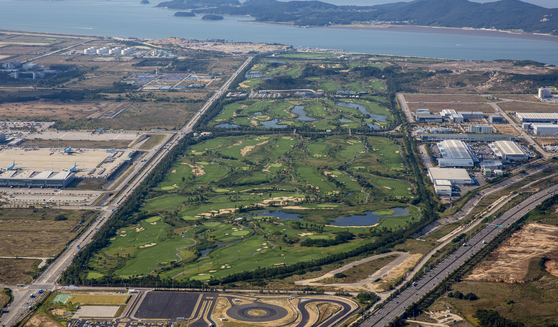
346, 310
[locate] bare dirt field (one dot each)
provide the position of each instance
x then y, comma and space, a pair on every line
141, 116
15, 271
546, 140
411, 97
505, 129
437, 107
516, 106
36, 233
510, 262
59, 110
38, 320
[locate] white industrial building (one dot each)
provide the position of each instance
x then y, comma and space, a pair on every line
425, 116
528, 117
508, 150
454, 176
480, 129
127, 51
103, 51
545, 129
454, 153
448, 112
442, 187
115, 51
11, 64
457, 118
90, 51
545, 92
491, 164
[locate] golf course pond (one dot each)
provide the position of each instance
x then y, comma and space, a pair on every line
369, 218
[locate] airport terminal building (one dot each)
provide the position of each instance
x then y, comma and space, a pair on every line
30, 178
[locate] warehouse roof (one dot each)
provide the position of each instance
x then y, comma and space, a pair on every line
453, 149
534, 115
448, 174
509, 148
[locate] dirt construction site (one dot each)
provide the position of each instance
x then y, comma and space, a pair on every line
510, 262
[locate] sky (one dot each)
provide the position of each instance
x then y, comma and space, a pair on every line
542, 3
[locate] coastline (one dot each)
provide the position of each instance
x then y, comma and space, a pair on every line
428, 29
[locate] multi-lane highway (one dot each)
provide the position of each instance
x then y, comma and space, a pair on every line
47, 280
397, 305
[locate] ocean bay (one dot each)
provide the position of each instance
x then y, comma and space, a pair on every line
127, 18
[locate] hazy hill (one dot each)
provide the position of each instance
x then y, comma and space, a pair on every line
503, 14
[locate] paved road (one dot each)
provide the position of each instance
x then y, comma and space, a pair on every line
397, 306
402, 256
468, 207
520, 130
51, 275
405, 107
345, 310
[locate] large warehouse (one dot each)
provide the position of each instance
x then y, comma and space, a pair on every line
454, 153
455, 176
528, 117
508, 150
30, 178
545, 129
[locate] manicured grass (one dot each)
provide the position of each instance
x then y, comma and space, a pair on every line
377, 85
330, 86
152, 142
100, 299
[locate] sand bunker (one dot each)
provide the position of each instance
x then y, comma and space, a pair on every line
249, 148
197, 170
148, 245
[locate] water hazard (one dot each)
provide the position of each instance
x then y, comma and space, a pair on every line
369, 218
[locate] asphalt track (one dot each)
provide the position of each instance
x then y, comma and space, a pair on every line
242, 312
427, 282
346, 310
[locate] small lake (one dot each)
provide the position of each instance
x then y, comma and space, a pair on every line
345, 120
356, 220
273, 124
367, 219
206, 251
374, 127
227, 125
363, 110
299, 110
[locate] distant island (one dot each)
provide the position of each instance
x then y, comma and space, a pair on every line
212, 17
197, 4
513, 15
145, 2
184, 14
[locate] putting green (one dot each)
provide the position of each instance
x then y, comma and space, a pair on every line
241, 233
153, 219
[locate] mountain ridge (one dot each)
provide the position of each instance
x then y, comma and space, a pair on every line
503, 14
